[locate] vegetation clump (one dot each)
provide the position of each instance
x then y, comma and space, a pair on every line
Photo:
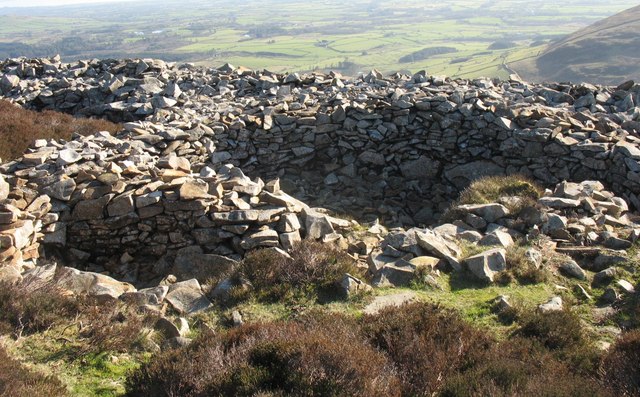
426, 344
15, 380
313, 270
19, 128
492, 188
26, 309
621, 365
521, 268
275, 359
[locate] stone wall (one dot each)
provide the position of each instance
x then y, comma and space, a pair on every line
398, 148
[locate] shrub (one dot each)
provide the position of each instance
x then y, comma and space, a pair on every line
520, 367
426, 343
33, 308
15, 380
490, 189
556, 330
562, 333
20, 127
112, 327
521, 269
27, 309
323, 357
621, 366
314, 270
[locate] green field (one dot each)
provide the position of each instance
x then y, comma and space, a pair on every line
289, 35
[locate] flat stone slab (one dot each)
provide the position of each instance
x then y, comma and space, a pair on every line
381, 302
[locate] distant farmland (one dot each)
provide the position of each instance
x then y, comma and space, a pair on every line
301, 36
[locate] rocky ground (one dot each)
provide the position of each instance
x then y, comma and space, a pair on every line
213, 166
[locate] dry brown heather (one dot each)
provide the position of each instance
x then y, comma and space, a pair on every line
16, 380
20, 127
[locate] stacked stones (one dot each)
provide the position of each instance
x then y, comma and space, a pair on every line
120, 204
23, 214
580, 220
397, 147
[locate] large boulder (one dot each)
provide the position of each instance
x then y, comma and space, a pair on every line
89, 283
487, 264
187, 297
192, 263
436, 245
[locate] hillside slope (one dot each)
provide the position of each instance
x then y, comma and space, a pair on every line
606, 52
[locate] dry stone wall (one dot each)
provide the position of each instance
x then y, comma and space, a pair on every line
398, 148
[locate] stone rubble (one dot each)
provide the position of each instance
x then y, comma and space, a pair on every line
398, 147
197, 177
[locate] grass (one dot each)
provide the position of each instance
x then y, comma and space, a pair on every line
490, 189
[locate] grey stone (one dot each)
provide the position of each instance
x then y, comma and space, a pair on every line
437, 246
94, 284
68, 156
558, 202
487, 264
498, 238
552, 305
192, 263
61, 190
317, 225
393, 275
572, 269
90, 209
605, 276
187, 297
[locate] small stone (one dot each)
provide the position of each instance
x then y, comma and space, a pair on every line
61, 190
498, 238
317, 225
353, 286
68, 156
605, 277
559, 203
436, 245
194, 189
572, 269
394, 275
236, 318
626, 286
489, 212
554, 304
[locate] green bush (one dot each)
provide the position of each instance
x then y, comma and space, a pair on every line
314, 270
16, 381
315, 358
